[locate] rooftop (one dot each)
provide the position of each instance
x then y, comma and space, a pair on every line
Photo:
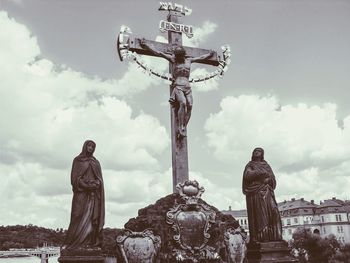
302, 207
332, 206
236, 213
296, 204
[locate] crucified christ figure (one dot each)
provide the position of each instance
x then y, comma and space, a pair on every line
181, 93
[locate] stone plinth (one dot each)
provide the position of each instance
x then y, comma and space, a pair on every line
81, 255
269, 252
155, 217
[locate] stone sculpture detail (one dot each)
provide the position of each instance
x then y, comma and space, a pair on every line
259, 184
181, 95
88, 211
137, 247
235, 242
181, 58
265, 225
190, 222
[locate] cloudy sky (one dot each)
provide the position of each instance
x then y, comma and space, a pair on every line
61, 82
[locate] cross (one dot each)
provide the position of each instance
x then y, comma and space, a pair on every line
180, 58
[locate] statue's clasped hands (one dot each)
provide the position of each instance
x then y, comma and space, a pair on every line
143, 42
93, 185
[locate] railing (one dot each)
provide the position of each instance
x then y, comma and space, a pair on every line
31, 252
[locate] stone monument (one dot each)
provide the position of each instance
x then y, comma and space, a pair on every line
180, 227
84, 235
265, 227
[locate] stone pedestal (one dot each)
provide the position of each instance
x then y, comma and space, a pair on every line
81, 255
180, 226
269, 252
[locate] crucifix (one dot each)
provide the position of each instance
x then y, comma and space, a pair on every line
180, 59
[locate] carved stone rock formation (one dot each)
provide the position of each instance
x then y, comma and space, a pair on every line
172, 218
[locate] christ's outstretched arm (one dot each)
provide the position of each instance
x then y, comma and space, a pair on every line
143, 43
205, 56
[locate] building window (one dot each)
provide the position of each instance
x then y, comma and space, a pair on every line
338, 218
295, 220
322, 219
341, 229
245, 221
288, 221
324, 230
338, 229
282, 222
289, 231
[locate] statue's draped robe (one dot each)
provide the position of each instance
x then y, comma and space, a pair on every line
263, 215
88, 211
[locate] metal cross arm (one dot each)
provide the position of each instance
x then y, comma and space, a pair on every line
134, 45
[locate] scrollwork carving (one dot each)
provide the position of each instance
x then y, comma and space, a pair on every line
191, 222
139, 246
235, 242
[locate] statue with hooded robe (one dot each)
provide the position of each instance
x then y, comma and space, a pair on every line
259, 184
88, 210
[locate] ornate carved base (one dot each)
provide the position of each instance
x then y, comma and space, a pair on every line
189, 229
81, 256
269, 252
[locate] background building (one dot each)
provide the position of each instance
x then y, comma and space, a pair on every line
297, 213
332, 216
240, 215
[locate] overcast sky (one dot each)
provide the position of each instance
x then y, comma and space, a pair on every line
61, 82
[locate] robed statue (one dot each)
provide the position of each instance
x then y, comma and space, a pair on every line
88, 208
259, 184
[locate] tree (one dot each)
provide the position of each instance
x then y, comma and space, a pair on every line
313, 248
342, 256
109, 240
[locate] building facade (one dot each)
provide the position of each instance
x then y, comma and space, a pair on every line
332, 216
240, 215
297, 214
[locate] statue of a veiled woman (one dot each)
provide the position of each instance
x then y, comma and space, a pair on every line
88, 211
259, 184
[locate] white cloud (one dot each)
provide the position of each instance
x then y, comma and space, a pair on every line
217, 195
46, 113
48, 110
289, 133
302, 182
128, 191
300, 141
204, 86
33, 194
200, 34
43, 109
